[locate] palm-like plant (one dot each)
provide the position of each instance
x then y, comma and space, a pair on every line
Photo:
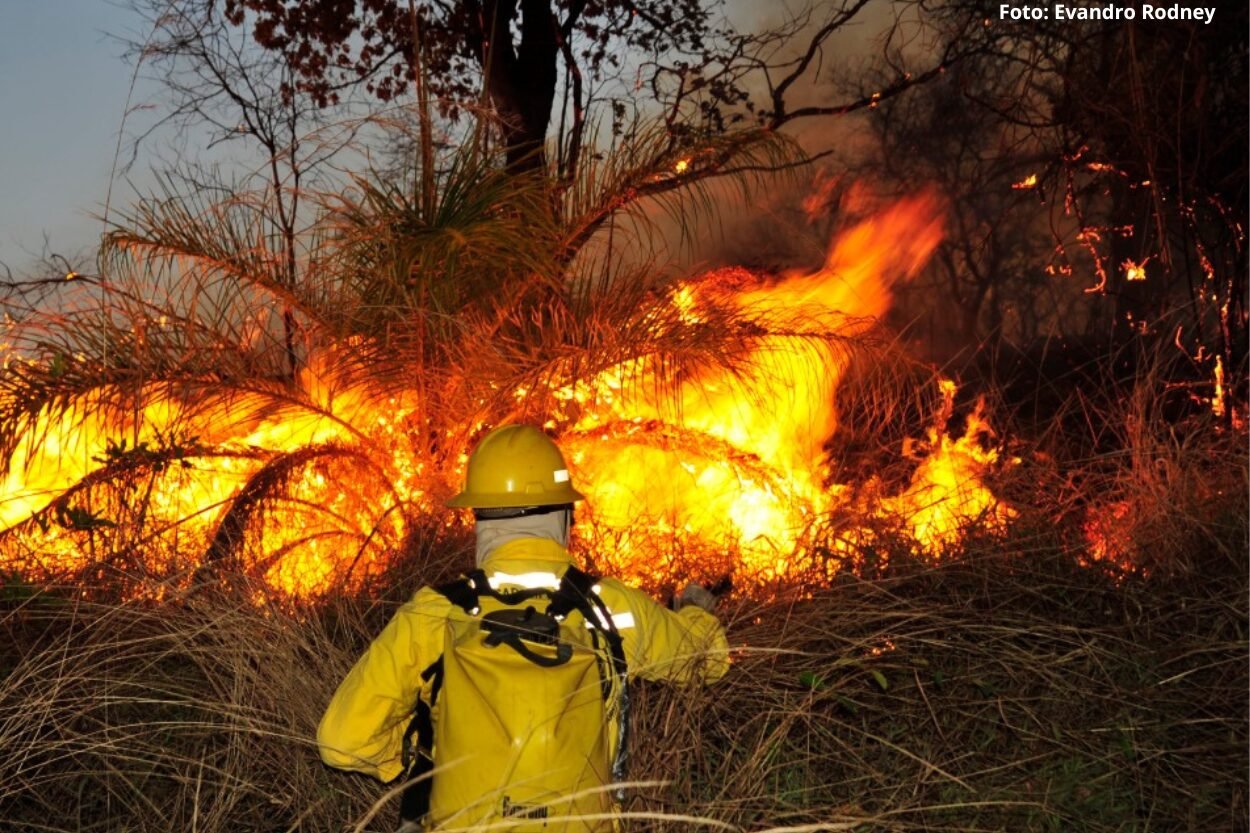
426, 309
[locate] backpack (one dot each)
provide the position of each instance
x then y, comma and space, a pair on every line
530, 683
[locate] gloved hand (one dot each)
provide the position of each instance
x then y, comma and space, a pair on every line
696, 594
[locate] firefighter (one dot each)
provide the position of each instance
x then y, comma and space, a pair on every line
518, 486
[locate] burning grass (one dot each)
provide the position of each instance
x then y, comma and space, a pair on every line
1023, 681
947, 618
694, 416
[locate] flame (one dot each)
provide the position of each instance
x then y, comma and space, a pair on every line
1134, 271
1219, 403
947, 492
1025, 184
681, 166
714, 470
735, 462
186, 497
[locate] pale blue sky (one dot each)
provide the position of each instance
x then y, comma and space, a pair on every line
62, 100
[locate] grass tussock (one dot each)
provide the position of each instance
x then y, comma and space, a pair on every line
992, 691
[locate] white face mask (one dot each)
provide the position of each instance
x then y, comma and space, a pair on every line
551, 526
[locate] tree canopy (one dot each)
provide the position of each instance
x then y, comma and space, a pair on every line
511, 51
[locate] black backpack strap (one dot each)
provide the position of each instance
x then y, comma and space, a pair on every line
464, 591
576, 588
516, 628
418, 755
577, 592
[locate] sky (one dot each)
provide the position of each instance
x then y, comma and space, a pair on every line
62, 103
63, 100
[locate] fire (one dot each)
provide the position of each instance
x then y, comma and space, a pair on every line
947, 491
715, 470
734, 462
1219, 403
1134, 271
187, 495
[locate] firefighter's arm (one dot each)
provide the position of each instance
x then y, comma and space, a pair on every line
688, 645
363, 727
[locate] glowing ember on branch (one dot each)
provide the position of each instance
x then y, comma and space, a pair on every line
1219, 405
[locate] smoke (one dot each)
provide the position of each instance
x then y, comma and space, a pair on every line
784, 220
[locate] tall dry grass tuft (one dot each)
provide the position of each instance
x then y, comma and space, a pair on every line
1007, 688
1133, 461
192, 716
989, 693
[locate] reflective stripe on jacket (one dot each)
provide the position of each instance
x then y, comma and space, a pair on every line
363, 727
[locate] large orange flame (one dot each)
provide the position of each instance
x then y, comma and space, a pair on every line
724, 468
734, 462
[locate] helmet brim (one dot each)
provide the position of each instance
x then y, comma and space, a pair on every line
513, 500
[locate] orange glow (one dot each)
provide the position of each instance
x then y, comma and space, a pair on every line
1107, 531
1219, 403
947, 491
1028, 182
681, 166
733, 466
715, 470
821, 200
328, 535
1134, 271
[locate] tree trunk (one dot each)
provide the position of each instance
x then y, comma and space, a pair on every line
521, 81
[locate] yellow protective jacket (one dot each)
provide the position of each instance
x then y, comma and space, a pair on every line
363, 727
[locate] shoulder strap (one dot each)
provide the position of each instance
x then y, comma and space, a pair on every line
577, 592
463, 592
417, 756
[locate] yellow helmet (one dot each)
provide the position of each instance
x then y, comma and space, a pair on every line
516, 466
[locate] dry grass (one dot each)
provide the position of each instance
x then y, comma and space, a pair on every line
992, 692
